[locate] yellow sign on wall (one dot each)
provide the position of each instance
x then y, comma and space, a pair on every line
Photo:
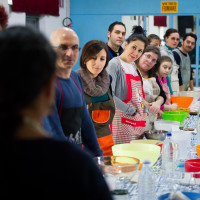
169, 6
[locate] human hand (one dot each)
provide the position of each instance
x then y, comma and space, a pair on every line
174, 106
154, 107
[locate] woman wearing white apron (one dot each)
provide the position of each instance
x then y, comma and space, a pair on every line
154, 94
130, 116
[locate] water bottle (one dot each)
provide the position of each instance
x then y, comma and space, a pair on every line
146, 182
198, 128
167, 154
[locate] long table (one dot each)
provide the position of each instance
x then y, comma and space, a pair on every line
166, 183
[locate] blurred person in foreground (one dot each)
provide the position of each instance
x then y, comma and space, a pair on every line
71, 119
32, 163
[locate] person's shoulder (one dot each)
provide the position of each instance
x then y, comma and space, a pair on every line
74, 74
114, 62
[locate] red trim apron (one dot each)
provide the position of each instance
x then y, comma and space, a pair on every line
125, 127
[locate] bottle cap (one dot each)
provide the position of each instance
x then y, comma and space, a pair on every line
146, 161
168, 134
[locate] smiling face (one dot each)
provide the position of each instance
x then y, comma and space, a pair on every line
132, 51
147, 62
164, 68
172, 40
96, 63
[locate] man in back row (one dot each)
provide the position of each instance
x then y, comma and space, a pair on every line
116, 36
182, 59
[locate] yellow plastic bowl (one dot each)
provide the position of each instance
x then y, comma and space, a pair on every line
137, 150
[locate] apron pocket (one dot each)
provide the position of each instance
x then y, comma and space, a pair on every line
100, 116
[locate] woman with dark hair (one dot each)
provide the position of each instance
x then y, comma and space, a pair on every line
96, 83
155, 97
130, 117
171, 38
34, 165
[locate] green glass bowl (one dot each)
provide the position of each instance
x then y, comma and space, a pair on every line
174, 116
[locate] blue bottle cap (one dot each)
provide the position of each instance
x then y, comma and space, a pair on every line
146, 161
168, 134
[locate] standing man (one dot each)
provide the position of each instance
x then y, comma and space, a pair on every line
71, 118
116, 36
183, 60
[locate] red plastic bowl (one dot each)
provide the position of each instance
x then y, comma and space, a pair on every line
193, 165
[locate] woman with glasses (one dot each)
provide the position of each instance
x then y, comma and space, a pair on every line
155, 97
172, 39
130, 116
97, 89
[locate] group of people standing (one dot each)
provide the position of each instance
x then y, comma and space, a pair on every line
118, 92
112, 98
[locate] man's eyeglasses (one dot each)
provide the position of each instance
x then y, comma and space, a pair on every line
148, 56
62, 47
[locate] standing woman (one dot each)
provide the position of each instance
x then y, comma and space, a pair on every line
130, 117
155, 97
171, 38
96, 84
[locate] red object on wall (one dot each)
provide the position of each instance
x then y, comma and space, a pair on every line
43, 7
160, 20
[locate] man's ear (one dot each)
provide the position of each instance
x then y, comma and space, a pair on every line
108, 34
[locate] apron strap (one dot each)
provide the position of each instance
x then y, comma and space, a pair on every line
76, 84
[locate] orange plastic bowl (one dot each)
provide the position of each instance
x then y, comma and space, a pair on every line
198, 150
182, 101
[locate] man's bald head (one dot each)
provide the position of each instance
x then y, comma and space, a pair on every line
61, 33
66, 43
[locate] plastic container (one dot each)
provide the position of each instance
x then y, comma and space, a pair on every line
174, 116
167, 154
193, 165
166, 125
137, 150
198, 150
182, 101
146, 182
198, 128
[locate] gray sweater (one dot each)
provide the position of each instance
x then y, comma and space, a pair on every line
119, 87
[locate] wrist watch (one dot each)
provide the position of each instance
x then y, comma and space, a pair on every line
135, 113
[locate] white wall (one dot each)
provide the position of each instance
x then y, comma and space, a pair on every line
130, 21
47, 23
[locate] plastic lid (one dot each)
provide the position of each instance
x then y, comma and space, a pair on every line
146, 161
168, 134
